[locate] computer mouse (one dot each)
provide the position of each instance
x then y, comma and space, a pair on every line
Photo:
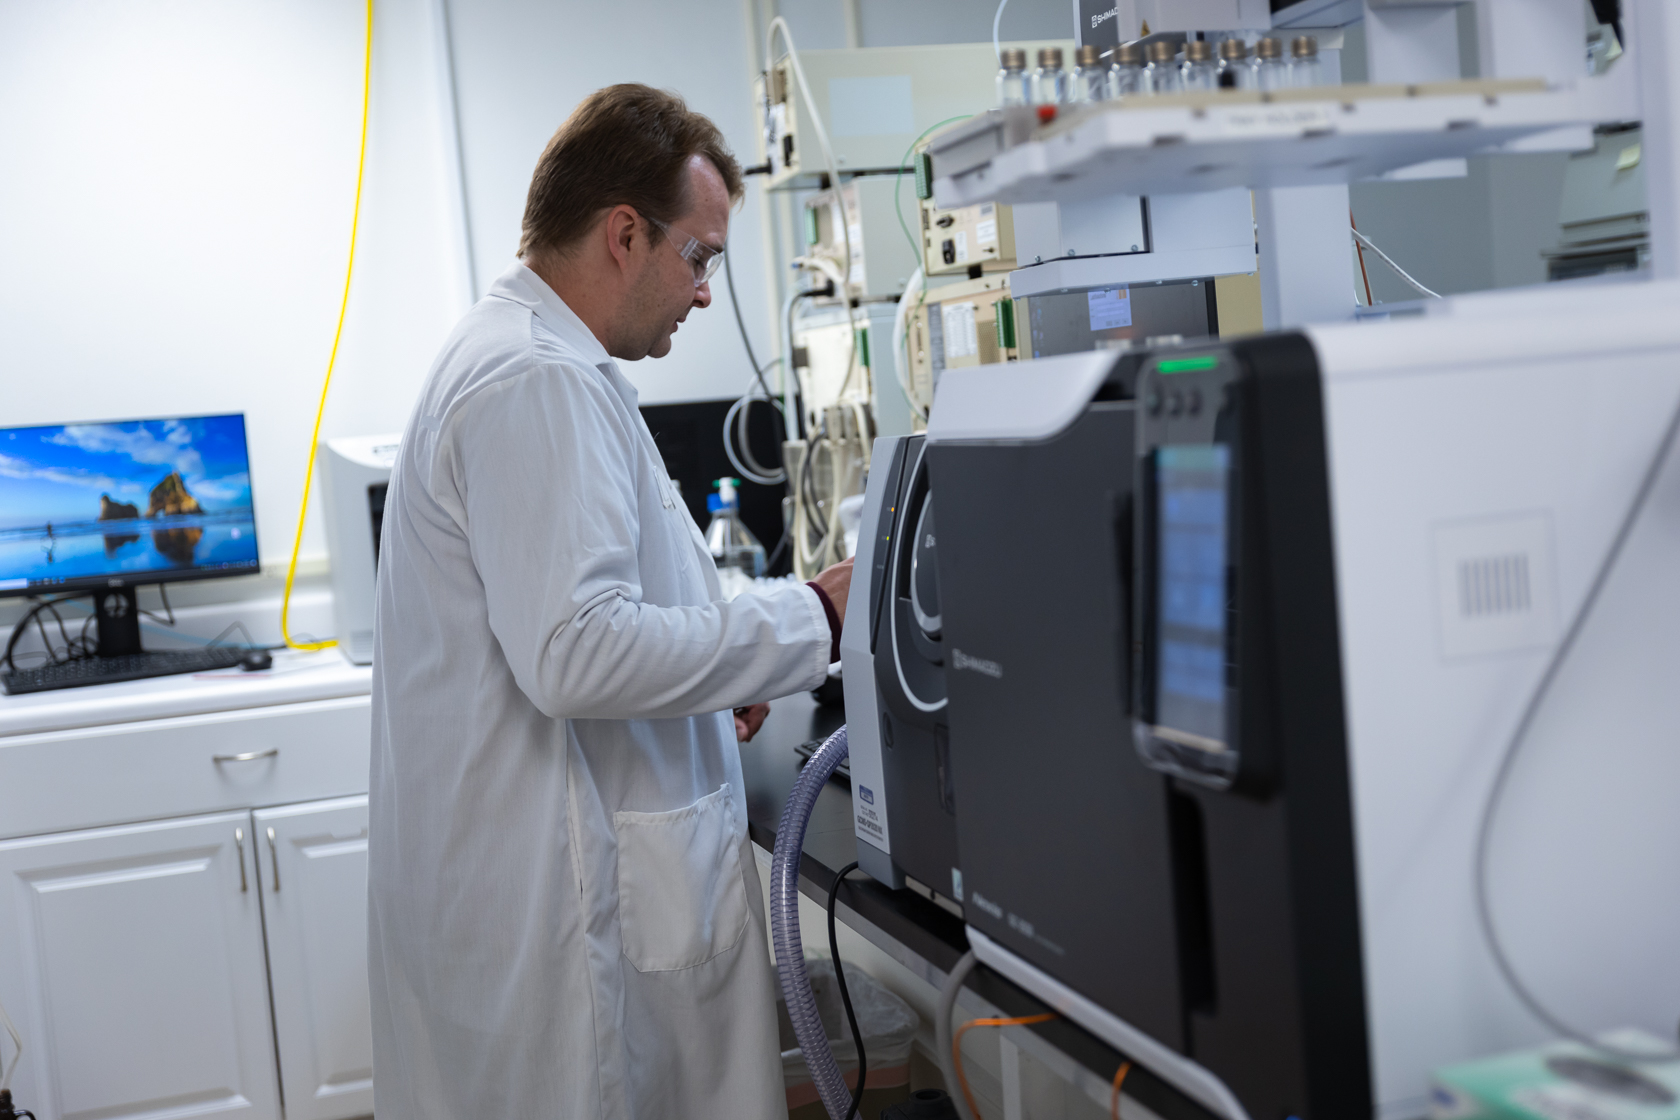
255, 660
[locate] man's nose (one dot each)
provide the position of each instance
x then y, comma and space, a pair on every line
703, 294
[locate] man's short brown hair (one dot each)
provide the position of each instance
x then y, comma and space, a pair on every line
625, 144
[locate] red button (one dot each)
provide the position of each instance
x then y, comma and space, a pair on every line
1046, 113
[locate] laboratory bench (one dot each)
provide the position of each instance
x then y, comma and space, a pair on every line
909, 927
185, 926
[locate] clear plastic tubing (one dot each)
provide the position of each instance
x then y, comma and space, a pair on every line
784, 926
1161, 74
1090, 77
1014, 84
1125, 76
1270, 70
1200, 71
1305, 69
1050, 81
1234, 70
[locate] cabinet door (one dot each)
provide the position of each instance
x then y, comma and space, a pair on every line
314, 889
132, 960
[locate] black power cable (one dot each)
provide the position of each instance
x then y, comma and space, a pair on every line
735, 305
9, 1111
780, 424
752, 359
846, 996
73, 647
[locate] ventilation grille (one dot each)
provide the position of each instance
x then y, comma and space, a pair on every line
1492, 585
1495, 585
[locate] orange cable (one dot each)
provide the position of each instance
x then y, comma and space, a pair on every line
956, 1046
1119, 1079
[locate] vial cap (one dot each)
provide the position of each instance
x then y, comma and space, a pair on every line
1128, 54
1198, 50
1268, 48
1162, 51
1233, 49
1304, 46
1089, 55
1013, 58
1050, 58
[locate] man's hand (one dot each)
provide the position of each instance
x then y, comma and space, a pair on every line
748, 720
836, 582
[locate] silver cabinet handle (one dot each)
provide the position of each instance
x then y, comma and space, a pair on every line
248, 756
239, 843
274, 854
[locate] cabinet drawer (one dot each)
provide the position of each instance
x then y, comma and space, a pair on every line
168, 767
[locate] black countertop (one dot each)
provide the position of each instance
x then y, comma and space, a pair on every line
771, 764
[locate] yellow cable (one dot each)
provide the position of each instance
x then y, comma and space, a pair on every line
338, 333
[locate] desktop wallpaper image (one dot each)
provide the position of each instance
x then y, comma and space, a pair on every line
81, 501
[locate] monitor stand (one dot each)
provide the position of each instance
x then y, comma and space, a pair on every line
117, 610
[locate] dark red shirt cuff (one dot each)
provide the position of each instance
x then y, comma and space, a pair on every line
833, 622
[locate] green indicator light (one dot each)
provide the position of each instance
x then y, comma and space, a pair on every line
1189, 365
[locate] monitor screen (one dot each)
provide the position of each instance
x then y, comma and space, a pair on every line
1194, 483
1082, 319
85, 506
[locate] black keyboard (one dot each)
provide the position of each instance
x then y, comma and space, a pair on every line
128, 667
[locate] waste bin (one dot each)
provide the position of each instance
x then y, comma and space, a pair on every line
887, 1023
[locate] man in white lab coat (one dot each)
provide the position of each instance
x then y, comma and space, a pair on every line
564, 911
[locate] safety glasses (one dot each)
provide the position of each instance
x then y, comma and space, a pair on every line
701, 257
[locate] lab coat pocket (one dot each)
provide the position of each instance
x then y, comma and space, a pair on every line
680, 897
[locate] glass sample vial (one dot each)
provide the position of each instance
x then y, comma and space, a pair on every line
1090, 77
1050, 81
1126, 74
1014, 84
1234, 70
1199, 71
1161, 74
1304, 68
1271, 71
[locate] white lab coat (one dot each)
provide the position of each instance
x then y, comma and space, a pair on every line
564, 911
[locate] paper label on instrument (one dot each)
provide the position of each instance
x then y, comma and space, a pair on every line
986, 231
961, 238
961, 339
1276, 118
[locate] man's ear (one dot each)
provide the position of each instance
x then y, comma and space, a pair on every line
621, 233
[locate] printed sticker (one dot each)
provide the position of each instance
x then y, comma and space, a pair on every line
961, 339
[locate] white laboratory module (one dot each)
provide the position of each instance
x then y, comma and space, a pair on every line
355, 471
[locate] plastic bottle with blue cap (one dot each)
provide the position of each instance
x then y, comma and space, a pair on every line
736, 552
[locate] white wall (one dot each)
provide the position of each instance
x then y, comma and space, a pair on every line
1484, 230
521, 67
176, 181
820, 24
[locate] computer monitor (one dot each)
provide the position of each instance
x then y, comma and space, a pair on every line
87, 507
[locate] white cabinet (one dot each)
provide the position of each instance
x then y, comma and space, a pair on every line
155, 964
134, 968
314, 895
